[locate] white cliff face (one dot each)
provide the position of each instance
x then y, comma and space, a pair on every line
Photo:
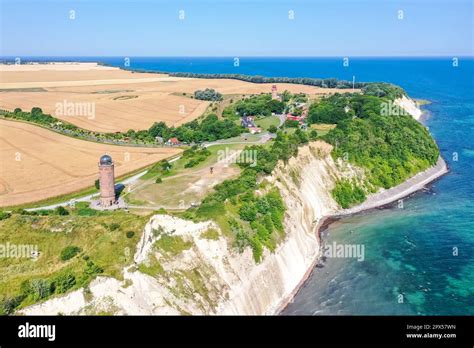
210, 276
410, 106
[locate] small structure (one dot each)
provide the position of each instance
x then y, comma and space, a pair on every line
274, 93
248, 121
159, 140
301, 119
254, 130
173, 142
107, 181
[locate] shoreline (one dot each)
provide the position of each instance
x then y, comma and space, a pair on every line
379, 200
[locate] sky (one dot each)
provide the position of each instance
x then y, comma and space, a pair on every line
236, 28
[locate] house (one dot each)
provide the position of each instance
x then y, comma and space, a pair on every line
159, 140
172, 142
254, 130
301, 118
248, 121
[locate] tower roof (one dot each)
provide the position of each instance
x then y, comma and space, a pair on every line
105, 159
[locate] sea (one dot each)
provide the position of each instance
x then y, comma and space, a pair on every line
418, 255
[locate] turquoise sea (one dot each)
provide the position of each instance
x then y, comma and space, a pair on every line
410, 251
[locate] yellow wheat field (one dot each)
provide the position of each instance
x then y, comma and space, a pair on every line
37, 164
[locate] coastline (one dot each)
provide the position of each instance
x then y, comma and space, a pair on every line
375, 201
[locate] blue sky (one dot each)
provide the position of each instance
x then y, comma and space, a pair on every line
236, 28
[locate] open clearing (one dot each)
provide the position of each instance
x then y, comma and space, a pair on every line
38, 164
122, 100
187, 185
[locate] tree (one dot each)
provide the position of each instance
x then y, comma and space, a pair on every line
292, 123
61, 211
97, 184
36, 111
272, 129
276, 106
313, 134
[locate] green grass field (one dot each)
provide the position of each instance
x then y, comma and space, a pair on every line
101, 236
174, 190
266, 122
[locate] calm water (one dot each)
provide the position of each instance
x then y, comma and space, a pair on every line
408, 251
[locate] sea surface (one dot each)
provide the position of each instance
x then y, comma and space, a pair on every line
418, 259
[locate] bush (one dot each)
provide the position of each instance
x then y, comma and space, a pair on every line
69, 252
346, 193
272, 129
248, 212
39, 289
61, 211
292, 123
158, 181
8, 304
64, 282
114, 226
130, 234
97, 184
313, 134
4, 215
208, 94
92, 269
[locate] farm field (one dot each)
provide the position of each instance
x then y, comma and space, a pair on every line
38, 164
122, 100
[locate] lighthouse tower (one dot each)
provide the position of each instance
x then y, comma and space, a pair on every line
106, 181
274, 92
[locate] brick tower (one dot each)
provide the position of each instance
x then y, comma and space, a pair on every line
106, 181
274, 92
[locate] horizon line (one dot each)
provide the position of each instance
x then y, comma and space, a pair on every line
236, 56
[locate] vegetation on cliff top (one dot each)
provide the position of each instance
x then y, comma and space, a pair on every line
73, 249
391, 148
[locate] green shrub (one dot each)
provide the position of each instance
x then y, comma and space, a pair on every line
92, 269
347, 193
158, 181
4, 215
61, 211
272, 129
292, 123
130, 234
248, 212
69, 252
114, 226
64, 282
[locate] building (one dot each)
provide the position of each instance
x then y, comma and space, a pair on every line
274, 92
254, 130
248, 121
107, 181
173, 142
